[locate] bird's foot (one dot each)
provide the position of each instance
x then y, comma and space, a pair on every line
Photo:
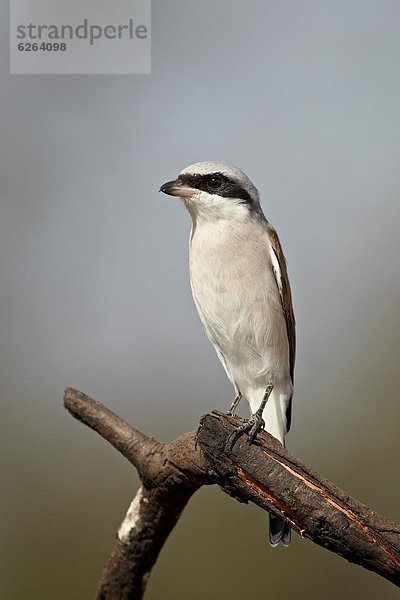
252, 427
254, 424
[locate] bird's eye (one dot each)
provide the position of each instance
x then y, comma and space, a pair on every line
215, 182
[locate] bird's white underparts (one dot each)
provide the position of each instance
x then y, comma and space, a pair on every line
241, 290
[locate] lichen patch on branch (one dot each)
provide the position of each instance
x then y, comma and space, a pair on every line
131, 519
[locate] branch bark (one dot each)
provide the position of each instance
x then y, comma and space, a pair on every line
263, 473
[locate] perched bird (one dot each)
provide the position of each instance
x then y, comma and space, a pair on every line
241, 291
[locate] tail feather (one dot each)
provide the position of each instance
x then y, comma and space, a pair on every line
287, 535
279, 531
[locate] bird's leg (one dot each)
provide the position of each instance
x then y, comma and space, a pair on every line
255, 423
234, 405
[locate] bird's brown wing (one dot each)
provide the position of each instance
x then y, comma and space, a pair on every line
282, 281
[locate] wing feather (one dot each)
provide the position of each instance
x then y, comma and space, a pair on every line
282, 281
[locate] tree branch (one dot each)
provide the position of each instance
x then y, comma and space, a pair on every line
170, 474
263, 473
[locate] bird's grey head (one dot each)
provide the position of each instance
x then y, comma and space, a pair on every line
213, 190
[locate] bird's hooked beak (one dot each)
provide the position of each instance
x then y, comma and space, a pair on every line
177, 188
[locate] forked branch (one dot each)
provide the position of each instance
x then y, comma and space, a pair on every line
263, 473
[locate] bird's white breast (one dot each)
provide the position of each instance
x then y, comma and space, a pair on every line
237, 298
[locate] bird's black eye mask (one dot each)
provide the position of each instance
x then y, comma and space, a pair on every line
216, 183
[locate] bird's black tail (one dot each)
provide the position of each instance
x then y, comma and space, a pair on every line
279, 531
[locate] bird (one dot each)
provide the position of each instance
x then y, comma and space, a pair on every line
241, 290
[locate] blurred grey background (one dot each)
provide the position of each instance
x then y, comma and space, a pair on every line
94, 293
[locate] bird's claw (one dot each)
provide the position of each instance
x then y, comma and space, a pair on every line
258, 424
252, 427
